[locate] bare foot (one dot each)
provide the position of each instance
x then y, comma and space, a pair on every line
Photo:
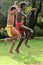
17, 50
27, 46
10, 51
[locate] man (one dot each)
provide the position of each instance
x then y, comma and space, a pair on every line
11, 31
19, 24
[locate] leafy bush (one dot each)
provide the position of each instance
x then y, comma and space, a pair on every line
40, 25
41, 32
37, 31
3, 34
28, 9
3, 20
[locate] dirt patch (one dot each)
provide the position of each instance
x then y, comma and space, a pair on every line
38, 38
36, 64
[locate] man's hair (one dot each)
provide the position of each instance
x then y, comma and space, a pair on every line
22, 4
13, 8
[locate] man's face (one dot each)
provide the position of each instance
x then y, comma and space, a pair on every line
24, 7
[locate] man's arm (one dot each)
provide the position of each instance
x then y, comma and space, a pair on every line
26, 15
33, 9
13, 12
15, 2
23, 14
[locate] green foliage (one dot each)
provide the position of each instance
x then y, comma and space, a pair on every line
3, 20
38, 32
39, 18
41, 32
5, 4
37, 3
3, 34
28, 9
40, 25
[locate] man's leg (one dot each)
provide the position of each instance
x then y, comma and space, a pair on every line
20, 42
13, 43
7, 39
30, 32
15, 32
10, 38
18, 36
28, 37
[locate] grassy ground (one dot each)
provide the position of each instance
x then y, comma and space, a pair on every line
27, 56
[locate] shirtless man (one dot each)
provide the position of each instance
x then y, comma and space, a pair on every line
19, 24
11, 31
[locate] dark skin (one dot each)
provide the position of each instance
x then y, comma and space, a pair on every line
19, 19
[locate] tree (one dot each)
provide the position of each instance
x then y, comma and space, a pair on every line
34, 15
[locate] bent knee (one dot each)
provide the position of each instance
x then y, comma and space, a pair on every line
31, 31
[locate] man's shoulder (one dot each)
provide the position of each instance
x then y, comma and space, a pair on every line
19, 12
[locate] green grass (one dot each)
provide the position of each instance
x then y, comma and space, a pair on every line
27, 56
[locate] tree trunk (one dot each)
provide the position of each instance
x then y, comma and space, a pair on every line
33, 17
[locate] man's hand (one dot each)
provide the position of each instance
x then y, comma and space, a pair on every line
15, 2
34, 9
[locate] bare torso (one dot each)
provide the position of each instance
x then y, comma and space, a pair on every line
19, 16
10, 20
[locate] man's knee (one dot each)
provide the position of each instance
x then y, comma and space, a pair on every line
31, 31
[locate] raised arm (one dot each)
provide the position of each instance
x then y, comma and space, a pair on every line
15, 2
13, 12
26, 15
33, 9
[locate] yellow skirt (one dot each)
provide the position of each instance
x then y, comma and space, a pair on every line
8, 29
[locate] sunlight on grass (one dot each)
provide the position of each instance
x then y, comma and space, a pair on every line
34, 54
6, 60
